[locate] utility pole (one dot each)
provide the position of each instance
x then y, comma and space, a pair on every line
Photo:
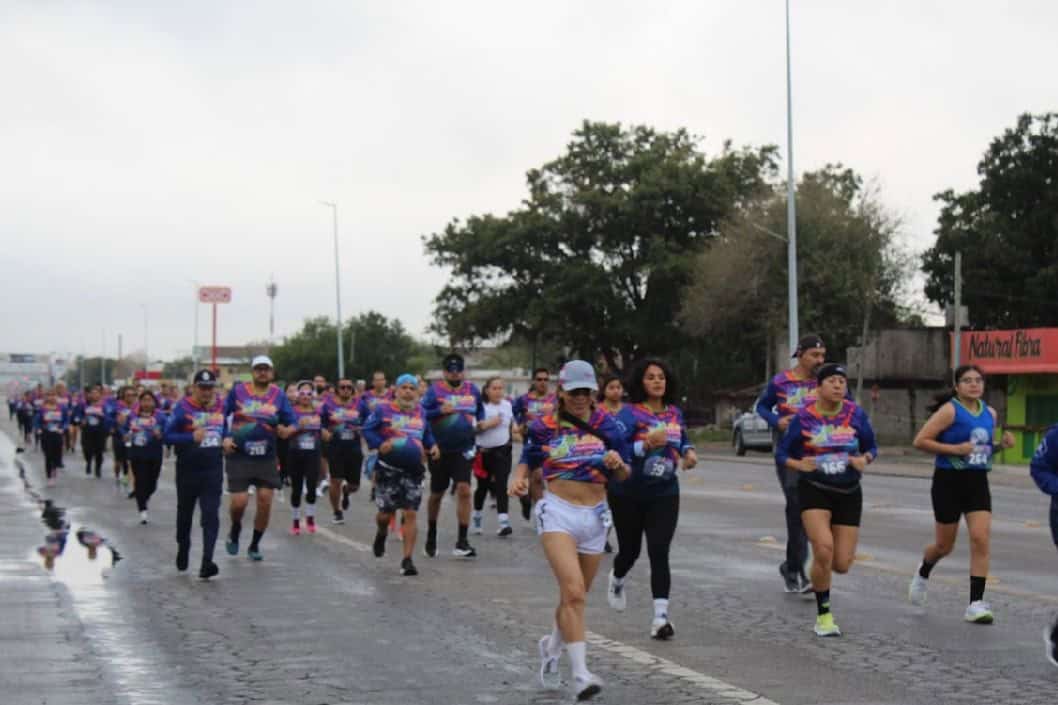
271, 289
957, 317
791, 207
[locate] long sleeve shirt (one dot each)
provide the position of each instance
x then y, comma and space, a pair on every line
51, 419
1044, 465
144, 435
455, 430
831, 439
565, 451
254, 418
185, 418
407, 428
654, 472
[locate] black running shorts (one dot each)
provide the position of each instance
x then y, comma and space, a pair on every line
451, 467
958, 492
846, 508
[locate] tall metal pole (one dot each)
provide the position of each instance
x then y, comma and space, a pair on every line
103, 359
194, 344
146, 339
791, 207
337, 289
957, 318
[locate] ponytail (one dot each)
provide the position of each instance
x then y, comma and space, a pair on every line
947, 395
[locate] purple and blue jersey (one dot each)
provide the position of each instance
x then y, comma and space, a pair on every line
51, 419
654, 472
254, 418
143, 434
308, 424
409, 431
345, 421
528, 407
185, 418
832, 439
564, 451
454, 431
785, 396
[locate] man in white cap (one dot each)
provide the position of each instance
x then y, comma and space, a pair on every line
260, 413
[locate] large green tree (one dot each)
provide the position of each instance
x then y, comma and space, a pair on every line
850, 259
1007, 231
371, 342
597, 256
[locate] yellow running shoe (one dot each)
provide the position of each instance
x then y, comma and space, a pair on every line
825, 625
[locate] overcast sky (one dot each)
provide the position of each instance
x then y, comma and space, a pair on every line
144, 145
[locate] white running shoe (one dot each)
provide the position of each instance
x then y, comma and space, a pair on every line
615, 594
476, 523
586, 686
143, 517
1050, 640
661, 628
917, 592
549, 673
979, 612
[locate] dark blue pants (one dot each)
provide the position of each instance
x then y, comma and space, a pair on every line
203, 486
796, 540
1054, 518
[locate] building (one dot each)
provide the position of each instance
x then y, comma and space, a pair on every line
22, 371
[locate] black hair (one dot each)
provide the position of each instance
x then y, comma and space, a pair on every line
637, 393
604, 382
947, 395
147, 393
538, 370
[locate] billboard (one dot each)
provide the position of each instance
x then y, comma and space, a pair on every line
1030, 350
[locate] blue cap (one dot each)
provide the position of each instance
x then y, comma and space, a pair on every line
407, 378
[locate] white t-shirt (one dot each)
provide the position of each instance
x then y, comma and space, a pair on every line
500, 435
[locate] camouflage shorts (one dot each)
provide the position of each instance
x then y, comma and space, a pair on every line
396, 488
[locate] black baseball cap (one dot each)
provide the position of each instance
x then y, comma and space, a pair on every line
807, 343
830, 369
453, 362
205, 378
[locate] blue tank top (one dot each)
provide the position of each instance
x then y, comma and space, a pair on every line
979, 429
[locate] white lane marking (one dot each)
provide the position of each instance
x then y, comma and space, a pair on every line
327, 533
702, 680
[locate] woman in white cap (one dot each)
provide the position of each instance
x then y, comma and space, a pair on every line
580, 449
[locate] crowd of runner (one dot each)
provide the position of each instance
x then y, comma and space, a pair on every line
599, 455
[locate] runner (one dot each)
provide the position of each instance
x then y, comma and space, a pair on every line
26, 412
537, 403
648, 503
398, 431
92, 417
143, 436
283, 444
321, 392
303, 457
1044, 469
786, 394
346, 455
259, 413
579, 449
368, 402
829, 443
453, 407
196, 429
51, 422
610, 398
960, 433
118, 414
66, 400
494, 449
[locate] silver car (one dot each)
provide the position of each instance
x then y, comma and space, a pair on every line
750, 431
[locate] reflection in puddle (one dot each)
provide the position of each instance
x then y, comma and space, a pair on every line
87, 561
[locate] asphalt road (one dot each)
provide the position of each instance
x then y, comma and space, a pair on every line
321, 620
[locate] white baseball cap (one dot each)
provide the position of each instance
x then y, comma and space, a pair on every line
261, 360
577, 374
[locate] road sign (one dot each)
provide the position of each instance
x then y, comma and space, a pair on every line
214, 294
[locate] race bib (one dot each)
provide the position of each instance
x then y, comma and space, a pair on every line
256, 448
659, 468
306, 443
832, 463
980, 456
347, 434
210, 440
93, 421
139, 440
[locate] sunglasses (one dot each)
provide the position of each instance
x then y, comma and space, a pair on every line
579, 392
345, 386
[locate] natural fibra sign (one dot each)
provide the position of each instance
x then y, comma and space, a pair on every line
1012, 351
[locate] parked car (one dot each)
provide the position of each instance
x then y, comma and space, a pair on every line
750, 431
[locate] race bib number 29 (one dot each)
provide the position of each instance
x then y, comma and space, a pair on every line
256, 448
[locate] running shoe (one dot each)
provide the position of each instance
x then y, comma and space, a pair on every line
549, 665
476, 523
339, 518
826, 626
181, 559
804, 585
463, 549
505, 530
345, 497
1050, 639
232, 546
661, 628
979, 612
407, 568
208, 570
379, 546
429, 549
143, 518
295, 528
615, 594
255, 554
310, 524
586, 686
917, 591
789, 578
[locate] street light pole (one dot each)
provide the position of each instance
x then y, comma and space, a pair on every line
146, 348
791, 207
337, 288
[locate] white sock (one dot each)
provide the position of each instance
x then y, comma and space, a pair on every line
578, 656
661, 609
477, 514
295, 512
504, 519
619, 581
310, 511
554, 644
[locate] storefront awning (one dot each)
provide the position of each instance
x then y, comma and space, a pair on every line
1025, 351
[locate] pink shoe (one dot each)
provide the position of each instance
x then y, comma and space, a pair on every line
295, 530
310, 524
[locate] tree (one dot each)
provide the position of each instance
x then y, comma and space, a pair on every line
93, 371
849, 259
180, 368
1007, 231
596, 257
373, 342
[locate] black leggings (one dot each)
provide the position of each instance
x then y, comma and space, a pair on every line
497, 463
302, 468
146, 472
121, 456
52, 442
93, 442
654, 516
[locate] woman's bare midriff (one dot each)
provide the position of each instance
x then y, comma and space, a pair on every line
587, 494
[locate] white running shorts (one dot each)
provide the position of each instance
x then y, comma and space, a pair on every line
585, 524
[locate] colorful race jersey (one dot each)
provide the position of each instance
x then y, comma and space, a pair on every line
831, 439
254, 418
409, 431
51, 419
977, 428
118, 414
93, 417
143, 435
529, 407
566, 452
785, 396
344, 420
1044, 465
455, 430
186, 417
654, 472
370, 400
308, 424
